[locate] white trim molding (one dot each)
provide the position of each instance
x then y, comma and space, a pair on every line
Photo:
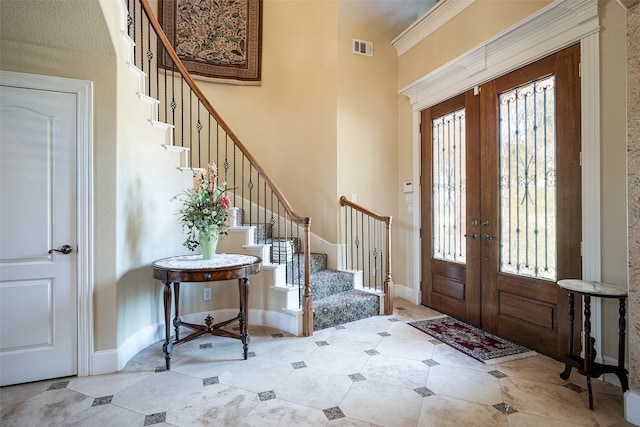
433, 19
554, 27
83, 91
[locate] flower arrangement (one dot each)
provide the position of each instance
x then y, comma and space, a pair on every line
204, 206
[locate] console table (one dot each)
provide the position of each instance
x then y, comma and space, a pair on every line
587, 366
192, 268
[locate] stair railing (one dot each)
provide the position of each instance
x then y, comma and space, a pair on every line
202, 137
367, 243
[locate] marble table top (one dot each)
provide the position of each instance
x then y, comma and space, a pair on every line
195, 262
592, 288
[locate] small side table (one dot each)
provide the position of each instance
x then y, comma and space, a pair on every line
587, 366
192, 268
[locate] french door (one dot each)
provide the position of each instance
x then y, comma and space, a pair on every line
502, 212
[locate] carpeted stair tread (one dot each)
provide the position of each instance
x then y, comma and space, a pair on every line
344, 307
330, 282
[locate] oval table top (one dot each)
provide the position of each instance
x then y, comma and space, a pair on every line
590, 287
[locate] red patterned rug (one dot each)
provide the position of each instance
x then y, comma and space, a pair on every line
481, 345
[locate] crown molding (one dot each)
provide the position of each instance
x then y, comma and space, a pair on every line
433, 19
552, 28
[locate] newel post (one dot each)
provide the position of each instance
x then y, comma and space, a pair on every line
307, 299
388, 282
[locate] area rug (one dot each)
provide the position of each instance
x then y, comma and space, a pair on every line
481, 345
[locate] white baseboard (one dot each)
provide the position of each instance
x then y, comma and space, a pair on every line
632, 407
410, 294
104, 362
108, 361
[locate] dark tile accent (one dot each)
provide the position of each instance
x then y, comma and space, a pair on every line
371, 352
333, 413
505, 408
321, 343
384, 334
210, 381
340, 327
298, 365
393, 319
357, 377
161, 369
207, 345
430, 362
58, 386
267, 395
158, 418
435, 342
424, 391
498, 374
105, 400
278, 335
575, 387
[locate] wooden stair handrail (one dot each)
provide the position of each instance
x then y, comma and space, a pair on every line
388, 282
205, 102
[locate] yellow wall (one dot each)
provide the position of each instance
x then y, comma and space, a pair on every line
288, 122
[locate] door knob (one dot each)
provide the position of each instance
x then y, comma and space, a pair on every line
474, 236
65, 249
487, 237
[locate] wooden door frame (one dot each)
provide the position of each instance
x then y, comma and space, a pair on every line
470, 272
564, 65
83, 91
557, 26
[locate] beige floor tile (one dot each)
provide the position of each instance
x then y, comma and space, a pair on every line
466, 384
337, 359
444, 411
370, 401
313, 387
49, 408
215, 405
257, 374
396, 371
280, 413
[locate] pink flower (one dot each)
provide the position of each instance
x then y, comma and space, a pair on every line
225, 203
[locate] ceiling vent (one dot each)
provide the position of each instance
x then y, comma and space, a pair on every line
362, 47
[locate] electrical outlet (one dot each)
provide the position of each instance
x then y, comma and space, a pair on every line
206, 294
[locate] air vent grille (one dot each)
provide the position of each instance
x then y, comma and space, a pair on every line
362, 47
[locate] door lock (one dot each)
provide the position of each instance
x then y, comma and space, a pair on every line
65, 249
474, 236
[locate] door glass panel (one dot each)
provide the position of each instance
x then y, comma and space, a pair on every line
449, 187
528, 180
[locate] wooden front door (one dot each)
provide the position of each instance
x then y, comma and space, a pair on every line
522, 220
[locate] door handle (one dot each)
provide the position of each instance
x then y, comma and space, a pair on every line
474, 236
65, 249
487, 237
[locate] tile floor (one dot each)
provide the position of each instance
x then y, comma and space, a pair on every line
373, 372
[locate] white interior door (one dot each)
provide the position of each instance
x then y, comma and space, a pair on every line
38, 288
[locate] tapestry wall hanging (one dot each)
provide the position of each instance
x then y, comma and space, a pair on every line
216, 39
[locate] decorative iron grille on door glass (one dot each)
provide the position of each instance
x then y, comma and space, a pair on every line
449, 187
528, 180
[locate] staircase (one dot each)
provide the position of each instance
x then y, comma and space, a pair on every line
295, 291
337, 295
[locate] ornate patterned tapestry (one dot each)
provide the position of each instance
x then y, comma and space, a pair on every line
219, 39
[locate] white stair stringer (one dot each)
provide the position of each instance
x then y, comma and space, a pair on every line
271, 302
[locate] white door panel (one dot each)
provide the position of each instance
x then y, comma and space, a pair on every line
38, 289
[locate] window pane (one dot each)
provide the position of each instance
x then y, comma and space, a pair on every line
449, 187
528, 180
